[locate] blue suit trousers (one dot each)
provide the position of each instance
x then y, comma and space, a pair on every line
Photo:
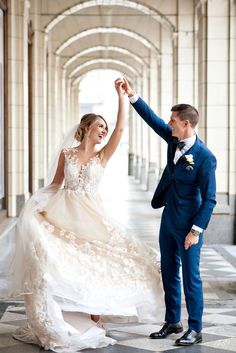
173, 255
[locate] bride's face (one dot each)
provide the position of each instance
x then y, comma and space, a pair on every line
97, 130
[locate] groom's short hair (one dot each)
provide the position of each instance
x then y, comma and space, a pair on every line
186, 112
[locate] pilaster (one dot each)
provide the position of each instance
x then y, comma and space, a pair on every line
18, 148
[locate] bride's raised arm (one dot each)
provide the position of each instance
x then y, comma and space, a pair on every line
116, 135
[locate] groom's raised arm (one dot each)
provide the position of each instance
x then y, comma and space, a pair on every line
154, 121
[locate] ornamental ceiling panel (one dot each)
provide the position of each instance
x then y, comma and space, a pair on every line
100, 55
91, 53
113, 16
103, 39
51, 8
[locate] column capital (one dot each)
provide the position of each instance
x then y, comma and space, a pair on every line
27, 4
200, 2
201, 6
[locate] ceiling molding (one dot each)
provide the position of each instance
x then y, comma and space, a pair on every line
105, 30
149, 11
97, 48
99, 62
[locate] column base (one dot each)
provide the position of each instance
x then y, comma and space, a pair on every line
20, 201
137, 172
221, 230
222, 226
131, 167
152, 176
40, 183
143, 176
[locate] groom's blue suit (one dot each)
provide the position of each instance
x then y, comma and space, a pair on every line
187, 192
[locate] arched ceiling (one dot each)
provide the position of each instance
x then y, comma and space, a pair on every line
124, 69
145, 9
105, 30
74, 28
103, 53
90, 53
107, 40
85, 71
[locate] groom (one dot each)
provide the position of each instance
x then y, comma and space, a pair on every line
187, 191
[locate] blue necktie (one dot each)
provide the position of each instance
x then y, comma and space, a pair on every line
181, 145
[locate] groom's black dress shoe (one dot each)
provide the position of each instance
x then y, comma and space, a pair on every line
166, 330
189, 338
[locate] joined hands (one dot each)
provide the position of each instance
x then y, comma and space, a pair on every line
122, 86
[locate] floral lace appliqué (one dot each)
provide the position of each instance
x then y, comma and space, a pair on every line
82, 178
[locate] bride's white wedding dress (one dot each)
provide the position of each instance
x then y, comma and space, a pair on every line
72, 261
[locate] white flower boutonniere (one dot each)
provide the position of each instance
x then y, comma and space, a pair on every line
189, 161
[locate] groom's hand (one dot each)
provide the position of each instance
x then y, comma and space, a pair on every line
190, 240
127, 88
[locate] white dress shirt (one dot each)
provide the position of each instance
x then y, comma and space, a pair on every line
133, 98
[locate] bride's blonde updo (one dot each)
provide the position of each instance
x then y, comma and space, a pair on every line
86, 121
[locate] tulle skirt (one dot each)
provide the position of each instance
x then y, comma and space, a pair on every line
69, 260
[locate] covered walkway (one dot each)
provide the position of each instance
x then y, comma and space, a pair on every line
171, 51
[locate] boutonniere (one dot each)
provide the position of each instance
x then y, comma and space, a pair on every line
189, 162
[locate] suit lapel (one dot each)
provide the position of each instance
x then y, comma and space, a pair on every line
172, 149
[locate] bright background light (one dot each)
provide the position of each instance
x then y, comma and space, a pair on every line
98, 95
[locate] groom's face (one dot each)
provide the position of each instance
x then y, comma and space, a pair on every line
178, 126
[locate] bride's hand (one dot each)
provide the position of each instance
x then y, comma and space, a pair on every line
118, 85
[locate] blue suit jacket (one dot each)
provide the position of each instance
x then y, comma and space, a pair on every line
190, 189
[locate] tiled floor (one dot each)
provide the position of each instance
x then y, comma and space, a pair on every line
218, 268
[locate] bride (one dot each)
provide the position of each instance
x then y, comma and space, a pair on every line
71, 263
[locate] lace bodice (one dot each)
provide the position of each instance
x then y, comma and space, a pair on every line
84, 178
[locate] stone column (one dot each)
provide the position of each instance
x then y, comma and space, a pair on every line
232, 113
66, 120
138, 137
166, 92
68, 98
58, 118
217, 106
72, 102
131, 142
67, 111
39, 98
52, 122
154, 146
74, 99
132, 139
202, 67
144, 130
18, 149
78, 115
184, 53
